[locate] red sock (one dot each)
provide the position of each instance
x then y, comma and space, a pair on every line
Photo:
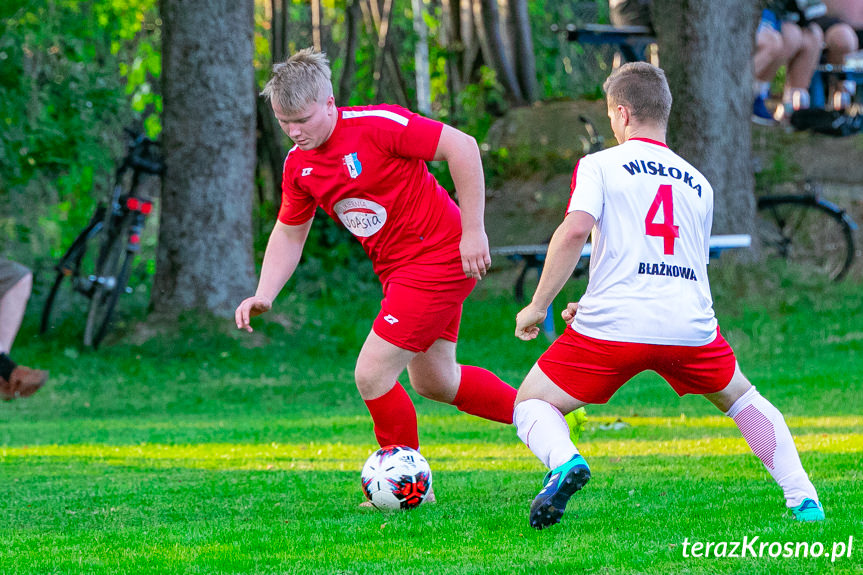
484, 394
395, 418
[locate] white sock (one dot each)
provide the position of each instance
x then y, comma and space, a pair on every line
545, 432
797, 97
767, 434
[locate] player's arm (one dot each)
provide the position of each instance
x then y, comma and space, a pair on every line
284, 249
461, 153
564, 250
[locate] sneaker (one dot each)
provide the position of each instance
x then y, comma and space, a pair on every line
23, 382
809, 510
560, 484
760, 114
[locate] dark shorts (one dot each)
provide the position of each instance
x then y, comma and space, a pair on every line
592, 370
827, 22
10, 274
414, 318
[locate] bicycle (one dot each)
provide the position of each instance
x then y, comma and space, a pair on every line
805, 229
99, 270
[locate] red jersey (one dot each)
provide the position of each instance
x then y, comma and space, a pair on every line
371, 176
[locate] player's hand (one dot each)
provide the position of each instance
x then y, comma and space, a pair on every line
569, 313
249, 308
526, 322
475, 256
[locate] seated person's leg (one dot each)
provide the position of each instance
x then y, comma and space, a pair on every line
802, 65
15, 285
767, 60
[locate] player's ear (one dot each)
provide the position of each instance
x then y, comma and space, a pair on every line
624, 114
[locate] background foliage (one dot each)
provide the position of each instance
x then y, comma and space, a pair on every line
74, 73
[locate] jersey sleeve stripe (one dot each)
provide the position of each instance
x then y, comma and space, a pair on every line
285, 163
348, 114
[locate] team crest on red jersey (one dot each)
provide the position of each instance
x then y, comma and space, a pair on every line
352, 163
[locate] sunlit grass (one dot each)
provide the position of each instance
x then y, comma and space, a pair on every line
201, 451
463, 456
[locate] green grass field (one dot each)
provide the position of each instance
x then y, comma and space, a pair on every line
202, 450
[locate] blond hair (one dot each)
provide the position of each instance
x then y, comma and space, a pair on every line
300, 80
642, 88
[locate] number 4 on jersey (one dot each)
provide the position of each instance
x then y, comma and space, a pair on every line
666, 230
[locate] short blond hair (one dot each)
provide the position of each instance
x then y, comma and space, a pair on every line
300, 80
642, 88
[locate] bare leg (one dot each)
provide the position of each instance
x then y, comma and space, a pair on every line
12, 308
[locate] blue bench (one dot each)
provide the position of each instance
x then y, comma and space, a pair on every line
533, 256
630, 41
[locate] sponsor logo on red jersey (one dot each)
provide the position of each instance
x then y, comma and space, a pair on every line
363, 218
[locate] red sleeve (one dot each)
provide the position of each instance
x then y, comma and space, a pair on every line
297, 206
418, 139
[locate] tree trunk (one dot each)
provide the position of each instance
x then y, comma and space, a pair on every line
705, 48
421, 59
204, 259
488, 28
525, 65
383, 22
353, 16
317, 42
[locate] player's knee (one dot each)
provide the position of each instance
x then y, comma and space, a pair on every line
433, 386
369, 381
841, 39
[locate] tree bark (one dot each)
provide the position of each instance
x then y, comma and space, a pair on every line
488, 28
383, 25
353, 16
204, 260
705, 48
421, 59
525, 64
317, 42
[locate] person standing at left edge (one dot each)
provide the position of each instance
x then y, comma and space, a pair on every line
366, 167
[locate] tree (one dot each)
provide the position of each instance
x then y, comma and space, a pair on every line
205, 259
705, 48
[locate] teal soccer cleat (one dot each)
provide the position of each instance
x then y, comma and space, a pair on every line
560, 484
809, 510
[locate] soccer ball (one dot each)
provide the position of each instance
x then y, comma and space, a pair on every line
396, 477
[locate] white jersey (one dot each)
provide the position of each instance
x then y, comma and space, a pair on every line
650, 246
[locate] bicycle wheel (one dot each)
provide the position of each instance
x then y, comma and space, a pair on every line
808, 233
72, 276
108, 283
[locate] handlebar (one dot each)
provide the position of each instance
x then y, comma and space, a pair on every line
142, 155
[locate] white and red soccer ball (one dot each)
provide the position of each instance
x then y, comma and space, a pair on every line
396, 477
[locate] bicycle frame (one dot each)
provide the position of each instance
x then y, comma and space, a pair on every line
120, 223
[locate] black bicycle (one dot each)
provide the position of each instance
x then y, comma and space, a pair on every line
808, 231
99, 261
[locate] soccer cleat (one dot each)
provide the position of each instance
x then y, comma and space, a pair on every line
809, 510
560, 484
576, 420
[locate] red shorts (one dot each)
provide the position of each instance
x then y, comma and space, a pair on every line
414, 318
592, 370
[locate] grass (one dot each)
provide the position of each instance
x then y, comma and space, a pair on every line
200, 450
